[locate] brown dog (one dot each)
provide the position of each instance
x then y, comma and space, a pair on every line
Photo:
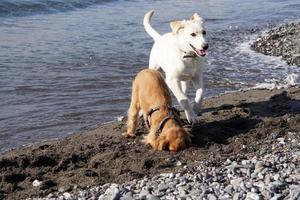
151, 95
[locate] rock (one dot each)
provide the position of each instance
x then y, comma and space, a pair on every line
36, 183
152, 197
182, 192
236, 183
144, 193
67, 196
267, 179
228, 189
51, 195
61, 189
211, 197
259, 166
276, 197
127, 196
246, 162
236, 196
162, 187
252, 196
115, 194
294, 192
276, 177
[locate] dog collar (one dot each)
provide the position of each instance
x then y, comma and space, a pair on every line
190, 55
173, 113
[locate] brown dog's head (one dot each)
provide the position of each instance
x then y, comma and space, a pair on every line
173, 139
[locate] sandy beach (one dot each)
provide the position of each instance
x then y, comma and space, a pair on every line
59, 79
234, 125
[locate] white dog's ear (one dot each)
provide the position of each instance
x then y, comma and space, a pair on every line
176, 26
196, 17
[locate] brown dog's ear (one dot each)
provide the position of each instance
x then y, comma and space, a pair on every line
162, 144
195, 17
176, 26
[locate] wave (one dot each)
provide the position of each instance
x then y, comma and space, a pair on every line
29, 7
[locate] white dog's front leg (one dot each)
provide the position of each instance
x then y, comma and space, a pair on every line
182, 99
184, 85
199, 87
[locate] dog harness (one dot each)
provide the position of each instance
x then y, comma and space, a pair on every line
171, 115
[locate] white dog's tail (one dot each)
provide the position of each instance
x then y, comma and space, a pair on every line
147, 24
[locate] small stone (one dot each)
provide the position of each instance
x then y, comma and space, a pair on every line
178, 163
227, 162
152, 197
51, 195
259, 166
281, 140
252, 196
254, 190
144, 193
182, 192
254, 160
36, 183
236, 196
67, 196
236, 182
267, 179
246, 162
276, 197
171, 175
276, 177
228, 189
243, 187
61, 189
261, 176
211, 197
127, 196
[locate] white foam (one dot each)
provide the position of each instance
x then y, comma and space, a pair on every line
279, 73
290, 80
120, 118
269, 61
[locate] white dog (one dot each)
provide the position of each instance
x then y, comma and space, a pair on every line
180, 55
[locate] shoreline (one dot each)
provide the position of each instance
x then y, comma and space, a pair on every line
233, 124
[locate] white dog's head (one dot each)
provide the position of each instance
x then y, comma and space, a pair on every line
191, 35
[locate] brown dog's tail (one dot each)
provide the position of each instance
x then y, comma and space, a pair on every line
149, 29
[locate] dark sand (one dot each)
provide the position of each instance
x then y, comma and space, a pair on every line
241, 124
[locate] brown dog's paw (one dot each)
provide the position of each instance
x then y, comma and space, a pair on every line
128, 135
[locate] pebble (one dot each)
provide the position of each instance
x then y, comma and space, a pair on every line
67, 196
267, 176
252, 196
282, 41
211, 197
36, 183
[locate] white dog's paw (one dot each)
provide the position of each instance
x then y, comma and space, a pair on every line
192, 117
197, 107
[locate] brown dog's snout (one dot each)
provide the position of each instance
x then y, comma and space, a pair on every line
205, 46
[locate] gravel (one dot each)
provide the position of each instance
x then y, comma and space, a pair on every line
282, 41
274, 175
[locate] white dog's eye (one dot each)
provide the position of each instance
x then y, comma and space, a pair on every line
193, 34
204, 32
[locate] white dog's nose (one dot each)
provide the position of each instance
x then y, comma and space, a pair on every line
205, 46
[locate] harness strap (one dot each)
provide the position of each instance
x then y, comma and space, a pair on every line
173, 113
149, 113
162, 123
